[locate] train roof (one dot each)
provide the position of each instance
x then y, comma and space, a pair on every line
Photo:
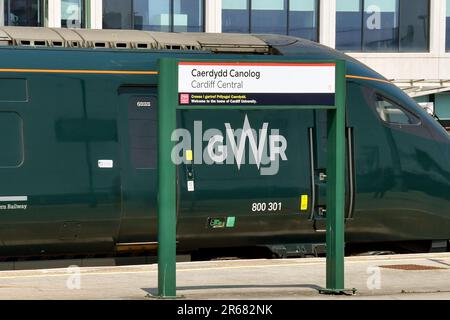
264, 44
131, 39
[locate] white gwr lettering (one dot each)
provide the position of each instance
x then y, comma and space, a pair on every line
265, 150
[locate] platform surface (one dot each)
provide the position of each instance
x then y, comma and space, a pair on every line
422, 276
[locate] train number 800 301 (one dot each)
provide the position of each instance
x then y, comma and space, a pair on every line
266, 206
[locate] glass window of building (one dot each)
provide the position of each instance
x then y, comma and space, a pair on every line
27, 13
154, 15
235, 16
188, 16
303, 17
382, 25
293, 17
151, 15
269, 16
72, 14
117, 14
447, 36
348, 25
380, 30
414, 25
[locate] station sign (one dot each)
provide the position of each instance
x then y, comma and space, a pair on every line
256, 83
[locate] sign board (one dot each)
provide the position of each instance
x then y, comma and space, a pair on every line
250, 85
256, 83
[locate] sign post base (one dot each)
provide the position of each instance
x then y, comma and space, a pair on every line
348, 292
158, 297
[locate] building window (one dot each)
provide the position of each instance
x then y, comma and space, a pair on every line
155, 15
72, 14
414, 26
235, 16
303, 17
447, 36
268, 16
151, 15
348, 25
188, 15
382, 25
26, 13
380, 29
289, 17
117, 14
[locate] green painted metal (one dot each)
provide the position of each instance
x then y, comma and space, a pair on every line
167, 216
336, 189
168, 97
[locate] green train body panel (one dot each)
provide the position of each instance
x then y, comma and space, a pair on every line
55, 127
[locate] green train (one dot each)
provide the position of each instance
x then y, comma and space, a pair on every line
78, 154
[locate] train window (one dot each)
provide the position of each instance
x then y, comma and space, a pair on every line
390, 112
11, 140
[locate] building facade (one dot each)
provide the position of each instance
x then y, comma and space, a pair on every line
407, 41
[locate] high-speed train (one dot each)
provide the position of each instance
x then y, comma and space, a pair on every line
78, 154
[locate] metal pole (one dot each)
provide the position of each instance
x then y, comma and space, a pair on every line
167, 218
336, 188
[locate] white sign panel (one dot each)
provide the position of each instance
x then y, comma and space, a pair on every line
203, 83
105, 164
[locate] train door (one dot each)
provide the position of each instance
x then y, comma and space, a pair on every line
137, 136
230, 196
318, 141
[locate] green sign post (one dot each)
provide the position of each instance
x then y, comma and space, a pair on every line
169, 103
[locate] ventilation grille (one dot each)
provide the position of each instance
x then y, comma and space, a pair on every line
178, 47
34, 43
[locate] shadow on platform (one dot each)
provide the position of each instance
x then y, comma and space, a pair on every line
154, 291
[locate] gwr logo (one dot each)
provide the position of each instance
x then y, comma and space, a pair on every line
230, 148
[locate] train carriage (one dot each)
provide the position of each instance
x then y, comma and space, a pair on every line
78, 153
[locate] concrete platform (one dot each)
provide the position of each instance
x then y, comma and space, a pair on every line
377, 277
